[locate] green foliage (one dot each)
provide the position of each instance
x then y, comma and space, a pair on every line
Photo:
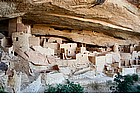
135, 77
2, 89
69, 87
124, 84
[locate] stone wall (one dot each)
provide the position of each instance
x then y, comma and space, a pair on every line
109, 58
100, 62
130, 71
12, 26
70, 48
34, 41
54, 46
6, 42
82, 58
21, 40
44, 51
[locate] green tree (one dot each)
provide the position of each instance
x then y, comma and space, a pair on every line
69, 87
2, 90
124, 84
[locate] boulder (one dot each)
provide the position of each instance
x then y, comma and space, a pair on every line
34, 86
65, 70
3, 66
54, 78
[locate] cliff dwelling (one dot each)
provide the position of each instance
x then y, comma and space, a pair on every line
48, 42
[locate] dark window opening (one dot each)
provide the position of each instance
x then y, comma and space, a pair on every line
15, 54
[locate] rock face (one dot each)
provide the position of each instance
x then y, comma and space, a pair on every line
105, 21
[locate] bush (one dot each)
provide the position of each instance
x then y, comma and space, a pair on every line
125, 84
135, 77
2, 90
69, 87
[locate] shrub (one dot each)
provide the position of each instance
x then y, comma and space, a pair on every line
125, 84
135, 77
69, 87
2, 90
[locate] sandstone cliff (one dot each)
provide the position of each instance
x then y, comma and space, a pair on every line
89, 21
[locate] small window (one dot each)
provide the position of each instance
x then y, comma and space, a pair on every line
16, 38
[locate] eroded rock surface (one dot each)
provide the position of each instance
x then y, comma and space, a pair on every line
86, 41
117, 20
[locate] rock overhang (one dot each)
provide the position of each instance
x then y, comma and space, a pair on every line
119, 19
